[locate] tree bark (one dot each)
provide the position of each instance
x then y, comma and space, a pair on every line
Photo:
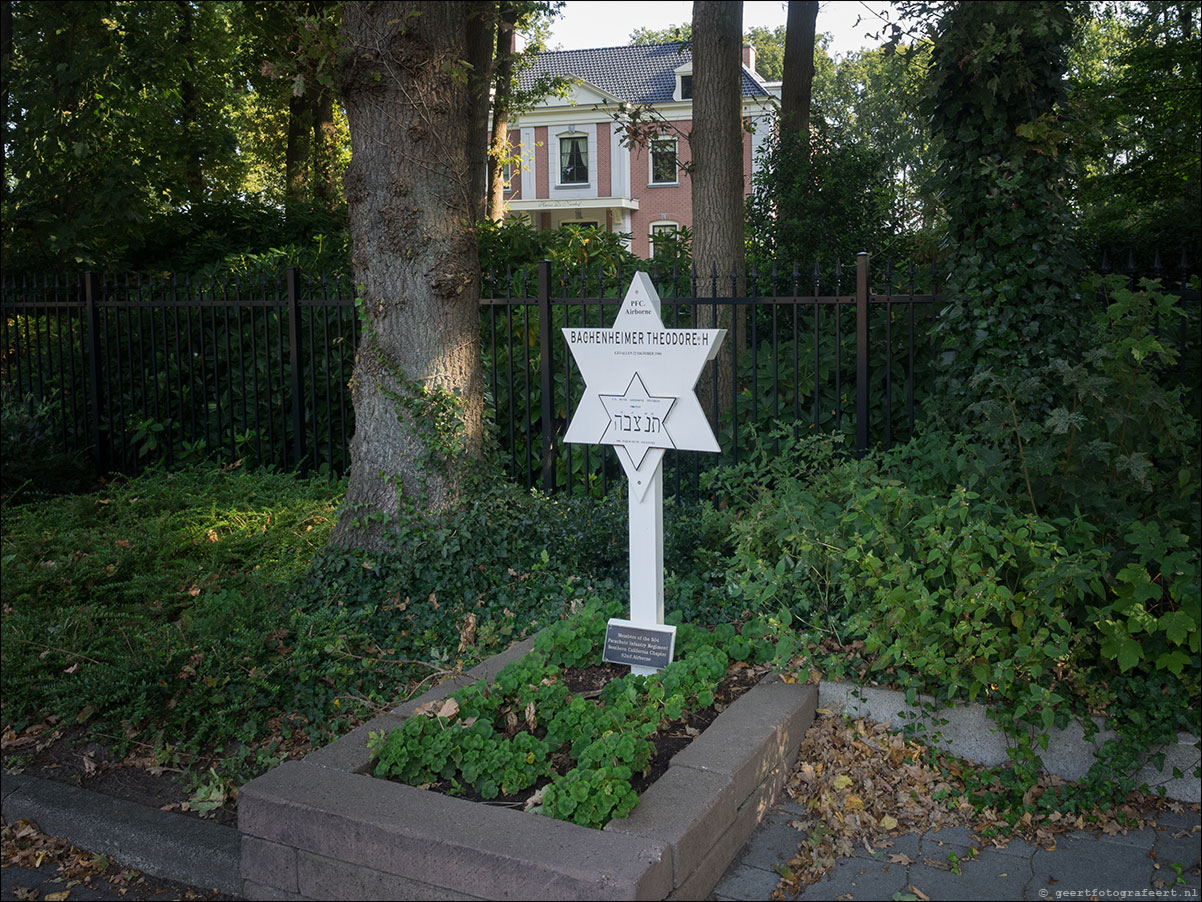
481, 40
324, 139
716, 142
296, 151
418, 386
797, 88
498, 148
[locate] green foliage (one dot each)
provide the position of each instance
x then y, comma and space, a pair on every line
509, 561
1136, 120
501, 738
113, 123
155, 610
870, 99
802, 180
1113, 435
925, 568
993, 97
590, 253
35, 464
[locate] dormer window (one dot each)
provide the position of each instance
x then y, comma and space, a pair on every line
684, 82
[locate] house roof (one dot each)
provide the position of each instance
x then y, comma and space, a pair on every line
638, 73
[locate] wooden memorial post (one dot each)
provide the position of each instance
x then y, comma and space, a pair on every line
640, 396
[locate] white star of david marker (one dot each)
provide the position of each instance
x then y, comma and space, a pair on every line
637, 421
638, 366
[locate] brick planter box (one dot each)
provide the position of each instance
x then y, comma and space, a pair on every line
324, 828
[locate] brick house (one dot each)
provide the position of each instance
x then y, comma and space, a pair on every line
573, 165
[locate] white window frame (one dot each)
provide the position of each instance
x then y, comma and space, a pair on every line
681, 72
651, 179
659, 225
571, 136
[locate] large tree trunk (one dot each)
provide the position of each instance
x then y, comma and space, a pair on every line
296, 150
797, 88
716, 142
325, 190
498, 148
325, 137
418, 387
481, 39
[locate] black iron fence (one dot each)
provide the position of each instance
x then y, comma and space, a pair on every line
842, 359
141, 371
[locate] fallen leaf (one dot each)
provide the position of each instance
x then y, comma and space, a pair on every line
919, 893
531, 722
888, 822
842, 781
535, 799
901, 858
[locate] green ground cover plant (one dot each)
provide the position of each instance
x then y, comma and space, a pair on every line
151, 611
504, 738
197, 616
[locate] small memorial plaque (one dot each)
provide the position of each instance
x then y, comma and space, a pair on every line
639, 644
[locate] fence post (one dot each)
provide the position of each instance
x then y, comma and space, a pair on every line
296, 362
545, 365
861, 354
92, 315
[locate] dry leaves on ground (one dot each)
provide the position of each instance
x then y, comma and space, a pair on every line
861, 784
24, 845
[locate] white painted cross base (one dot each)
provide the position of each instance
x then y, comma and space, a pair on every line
640, 396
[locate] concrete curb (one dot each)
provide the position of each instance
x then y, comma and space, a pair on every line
967, 731
160, 843
323, 828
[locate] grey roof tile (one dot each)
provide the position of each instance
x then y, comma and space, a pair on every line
639, 73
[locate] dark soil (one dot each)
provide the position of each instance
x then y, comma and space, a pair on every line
66, 756
672, 737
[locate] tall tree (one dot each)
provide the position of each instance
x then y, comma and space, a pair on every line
482, 41
515, 89
498, 145
110, 124
418, 390
797, 88
994, 99
291, 112
1137, 123
6, 55
716, 143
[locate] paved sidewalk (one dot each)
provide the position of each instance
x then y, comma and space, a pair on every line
921, 866
202, 857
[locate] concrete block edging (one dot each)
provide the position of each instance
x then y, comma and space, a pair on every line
967, 731
307, 821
